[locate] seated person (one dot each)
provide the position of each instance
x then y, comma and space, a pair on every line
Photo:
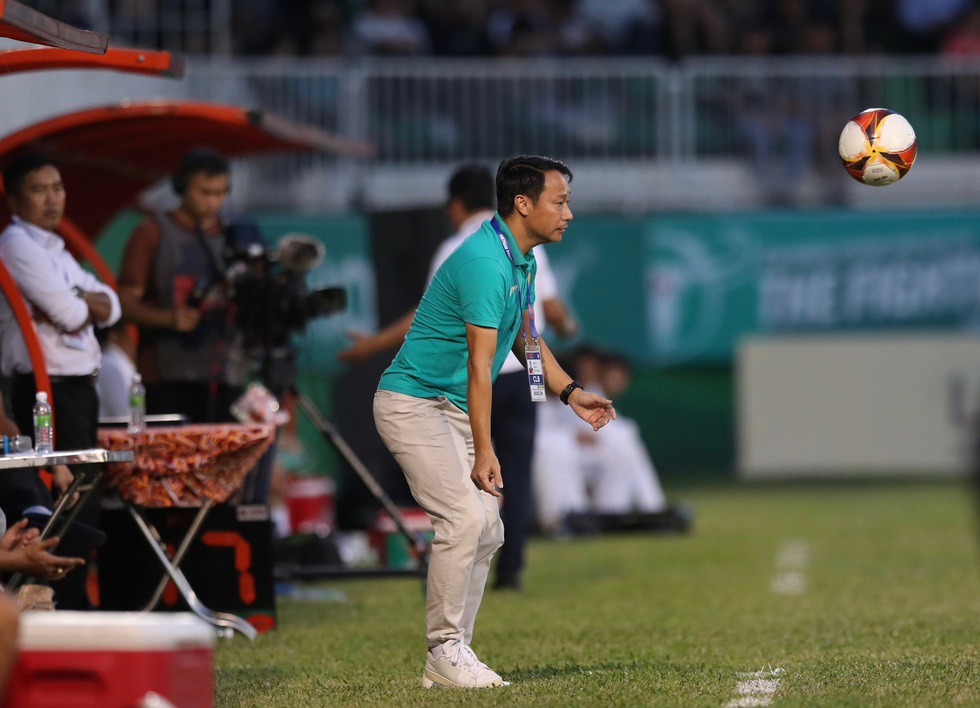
578, 473
9, 627
23, 551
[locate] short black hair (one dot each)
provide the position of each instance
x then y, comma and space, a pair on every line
202, 160
17, 170
524, 174
473, 186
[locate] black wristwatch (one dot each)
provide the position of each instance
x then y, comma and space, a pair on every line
568, 391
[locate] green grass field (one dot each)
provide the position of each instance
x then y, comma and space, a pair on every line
816, 594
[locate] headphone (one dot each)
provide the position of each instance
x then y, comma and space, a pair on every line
198, 160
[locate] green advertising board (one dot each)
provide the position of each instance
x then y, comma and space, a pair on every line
676, 289
675, 293
682, 289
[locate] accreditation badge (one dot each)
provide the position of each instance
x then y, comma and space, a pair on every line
535, 372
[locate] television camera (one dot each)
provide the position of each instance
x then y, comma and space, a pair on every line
272, 300
269, 298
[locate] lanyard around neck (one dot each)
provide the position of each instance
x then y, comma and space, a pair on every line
527, 292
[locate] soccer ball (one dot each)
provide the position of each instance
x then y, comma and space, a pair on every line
877, 147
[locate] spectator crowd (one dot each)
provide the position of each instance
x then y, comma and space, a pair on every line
673, 29
669, 28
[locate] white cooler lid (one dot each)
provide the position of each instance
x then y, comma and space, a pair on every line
113, 631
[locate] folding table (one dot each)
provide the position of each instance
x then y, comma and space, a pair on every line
187, 466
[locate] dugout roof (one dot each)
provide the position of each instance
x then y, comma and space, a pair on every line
109, 155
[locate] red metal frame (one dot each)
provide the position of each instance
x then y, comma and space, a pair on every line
26, 322
131, 61
110, 154
21, 60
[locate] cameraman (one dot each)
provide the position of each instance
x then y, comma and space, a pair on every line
172, 286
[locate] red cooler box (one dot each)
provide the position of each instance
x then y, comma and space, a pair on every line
112, 660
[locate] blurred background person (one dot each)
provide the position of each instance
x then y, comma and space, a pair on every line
578, 476
9, 628
116, 372
391, 27
67, 302
172, 286
458, 27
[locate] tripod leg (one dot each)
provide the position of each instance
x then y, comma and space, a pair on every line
330, 432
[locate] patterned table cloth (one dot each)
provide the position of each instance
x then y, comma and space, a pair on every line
186, 465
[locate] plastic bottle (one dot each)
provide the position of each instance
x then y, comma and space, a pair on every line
137, 405
43, 432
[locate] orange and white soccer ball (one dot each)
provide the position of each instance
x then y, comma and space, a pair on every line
877, 147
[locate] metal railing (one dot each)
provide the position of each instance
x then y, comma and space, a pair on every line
735, 130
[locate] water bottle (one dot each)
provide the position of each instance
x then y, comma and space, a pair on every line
137, 405
43, 432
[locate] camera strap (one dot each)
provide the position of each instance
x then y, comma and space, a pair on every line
216, 261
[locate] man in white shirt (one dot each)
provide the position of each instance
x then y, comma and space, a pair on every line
472, 198
65, 301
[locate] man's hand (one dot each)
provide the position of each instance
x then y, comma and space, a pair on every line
486, 474
186, 318
36, 560
362, 348
18, 535
592, 408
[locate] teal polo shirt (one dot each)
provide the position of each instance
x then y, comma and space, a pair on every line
476, 285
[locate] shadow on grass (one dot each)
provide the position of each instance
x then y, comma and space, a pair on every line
554, 672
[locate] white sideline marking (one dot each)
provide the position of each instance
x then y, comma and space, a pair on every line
792, 560
757, 689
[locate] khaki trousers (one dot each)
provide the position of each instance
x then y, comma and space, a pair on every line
431, 440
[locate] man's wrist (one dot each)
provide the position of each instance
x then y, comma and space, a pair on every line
563, 396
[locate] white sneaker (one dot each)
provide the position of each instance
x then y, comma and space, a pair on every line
454, 665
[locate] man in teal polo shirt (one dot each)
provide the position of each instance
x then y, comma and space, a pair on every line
433, 403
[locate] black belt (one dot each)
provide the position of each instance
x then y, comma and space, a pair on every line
83, 378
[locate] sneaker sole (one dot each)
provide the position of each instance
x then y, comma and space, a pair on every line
434, 680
